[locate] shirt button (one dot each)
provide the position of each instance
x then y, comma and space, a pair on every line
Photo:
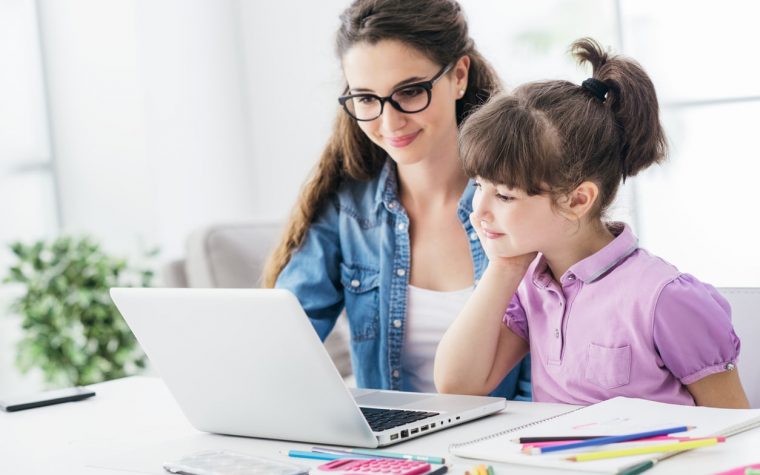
401, 272
556, 333
401, 226
571, 277
395, 373
730, 367
392, 205
355, 283
397, 323
473, 236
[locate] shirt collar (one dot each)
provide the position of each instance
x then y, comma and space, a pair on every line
596, 265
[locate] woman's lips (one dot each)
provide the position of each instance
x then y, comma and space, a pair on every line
403, 140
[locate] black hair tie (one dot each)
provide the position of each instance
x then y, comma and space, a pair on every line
596, 87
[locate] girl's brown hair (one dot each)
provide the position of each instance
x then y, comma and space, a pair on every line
550, 136
436, 28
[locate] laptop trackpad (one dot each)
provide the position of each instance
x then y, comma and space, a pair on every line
389, 399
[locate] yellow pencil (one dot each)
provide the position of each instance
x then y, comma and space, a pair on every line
649, 449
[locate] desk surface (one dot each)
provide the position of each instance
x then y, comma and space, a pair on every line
133, 425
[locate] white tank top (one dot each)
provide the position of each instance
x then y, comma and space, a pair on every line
428, 314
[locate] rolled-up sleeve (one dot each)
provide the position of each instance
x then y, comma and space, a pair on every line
693, 331
514, 318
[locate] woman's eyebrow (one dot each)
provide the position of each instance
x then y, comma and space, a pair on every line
410, 80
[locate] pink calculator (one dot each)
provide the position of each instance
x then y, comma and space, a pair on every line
374, 466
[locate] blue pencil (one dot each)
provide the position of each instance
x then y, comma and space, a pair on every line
323, 456
606, 440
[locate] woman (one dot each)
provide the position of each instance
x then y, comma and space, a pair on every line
382, 227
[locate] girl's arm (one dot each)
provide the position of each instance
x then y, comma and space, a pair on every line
478, 350
722, 389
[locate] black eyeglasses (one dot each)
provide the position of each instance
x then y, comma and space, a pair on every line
408, 99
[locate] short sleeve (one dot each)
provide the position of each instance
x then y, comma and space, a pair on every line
693, 331
514, 318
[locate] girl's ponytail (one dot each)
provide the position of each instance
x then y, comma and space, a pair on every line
633, 101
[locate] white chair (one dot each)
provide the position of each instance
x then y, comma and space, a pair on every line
745, 315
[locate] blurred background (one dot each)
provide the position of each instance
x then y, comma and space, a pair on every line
136, 122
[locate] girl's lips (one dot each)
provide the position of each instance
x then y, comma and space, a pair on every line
403, 140
492, 235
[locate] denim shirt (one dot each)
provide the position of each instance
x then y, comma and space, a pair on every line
356, 255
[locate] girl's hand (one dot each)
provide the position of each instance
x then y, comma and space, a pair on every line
520, 262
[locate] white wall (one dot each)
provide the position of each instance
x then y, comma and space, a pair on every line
149, 117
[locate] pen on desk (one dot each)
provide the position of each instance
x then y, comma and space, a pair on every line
439, 470
637, 468
381, 454
560, 438
649, 449
605, 440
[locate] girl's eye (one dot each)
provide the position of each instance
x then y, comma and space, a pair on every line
501, 197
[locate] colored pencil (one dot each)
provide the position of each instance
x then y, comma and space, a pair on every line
650, 449
664, 438
559, 438
381, 454
606, 440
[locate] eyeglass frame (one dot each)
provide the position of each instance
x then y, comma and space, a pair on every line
426, 85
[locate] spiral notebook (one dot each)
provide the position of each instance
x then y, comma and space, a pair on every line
615, 416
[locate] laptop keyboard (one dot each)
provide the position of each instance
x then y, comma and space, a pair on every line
383, 419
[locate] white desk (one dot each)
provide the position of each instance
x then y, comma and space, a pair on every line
133, 425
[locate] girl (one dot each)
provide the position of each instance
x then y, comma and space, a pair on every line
601, 316
388, 184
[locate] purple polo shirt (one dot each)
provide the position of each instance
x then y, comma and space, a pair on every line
621, 322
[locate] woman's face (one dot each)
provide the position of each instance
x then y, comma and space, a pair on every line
386, 66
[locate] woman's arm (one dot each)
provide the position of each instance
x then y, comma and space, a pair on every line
722, 389
478, 350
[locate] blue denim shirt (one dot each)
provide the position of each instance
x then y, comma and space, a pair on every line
357, 255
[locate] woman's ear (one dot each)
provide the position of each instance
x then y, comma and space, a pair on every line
461, 73
579, 202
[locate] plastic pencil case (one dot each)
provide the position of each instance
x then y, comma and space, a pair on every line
225, 462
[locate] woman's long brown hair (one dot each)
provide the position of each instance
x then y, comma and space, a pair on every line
436, 28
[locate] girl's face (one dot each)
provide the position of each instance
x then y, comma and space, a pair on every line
386, 66
514, 223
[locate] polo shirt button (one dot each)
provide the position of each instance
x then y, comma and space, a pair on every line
401, 226
355, 283
392, 205
571, 277
401, 272
473, 236
730, 367
395, 373
397, 323
556, 333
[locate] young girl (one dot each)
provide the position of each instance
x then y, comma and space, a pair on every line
601, 316
388, 183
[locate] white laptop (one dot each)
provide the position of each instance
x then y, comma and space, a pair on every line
248, 362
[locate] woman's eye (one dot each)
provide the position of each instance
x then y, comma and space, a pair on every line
501, 197
365, 100
408, 93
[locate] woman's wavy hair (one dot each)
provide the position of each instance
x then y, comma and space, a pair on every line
550, 136
437, 29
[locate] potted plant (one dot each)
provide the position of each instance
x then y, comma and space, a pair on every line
71, 329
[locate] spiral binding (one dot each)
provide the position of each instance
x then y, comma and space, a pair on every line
512, 429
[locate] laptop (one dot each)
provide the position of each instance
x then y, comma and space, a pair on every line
248, 362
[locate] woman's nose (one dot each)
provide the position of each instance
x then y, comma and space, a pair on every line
392, 119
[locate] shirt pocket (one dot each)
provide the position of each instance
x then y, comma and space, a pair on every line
608, 368
362, 291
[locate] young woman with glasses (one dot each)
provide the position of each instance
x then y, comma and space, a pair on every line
382, 227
